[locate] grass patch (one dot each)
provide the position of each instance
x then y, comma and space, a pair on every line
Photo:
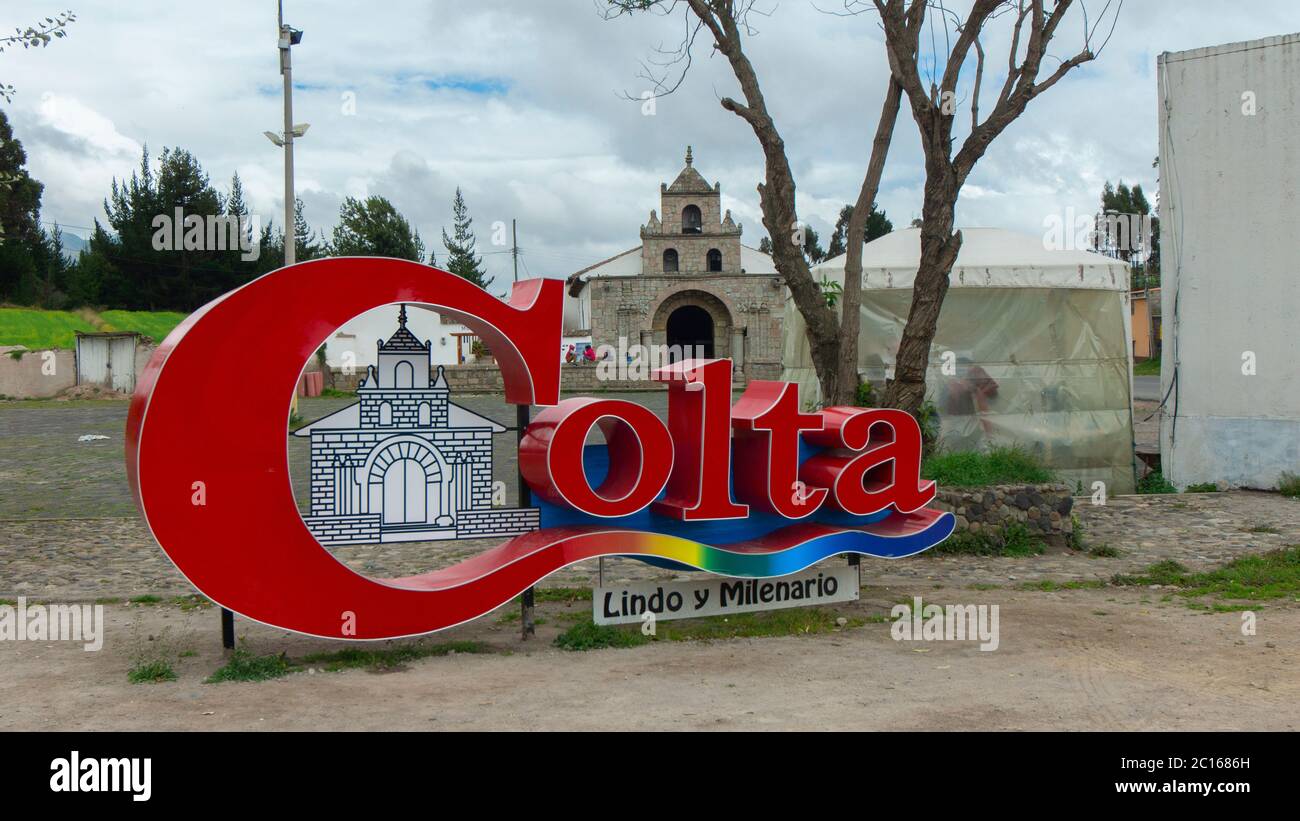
1202, 487
1049, 586
1147, 367
1262, 529
1014, 540
561, 594
1220, 608
1104, 551
390, 658
193, 601
1288, 484
590, 636
1167, 572
1261, 577
794, 621
145, 599
244, 666
999, 466
1155, 482
335, 393
150, 672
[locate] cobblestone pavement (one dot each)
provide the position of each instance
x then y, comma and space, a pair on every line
68, 529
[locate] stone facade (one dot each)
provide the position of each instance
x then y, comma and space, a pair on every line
692, 288
1042, 508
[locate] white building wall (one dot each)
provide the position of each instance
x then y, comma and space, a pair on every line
361, 335
1230, 251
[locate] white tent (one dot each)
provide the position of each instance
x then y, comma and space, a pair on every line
1032, 348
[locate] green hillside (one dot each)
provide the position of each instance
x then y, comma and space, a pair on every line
153, 324
37, 329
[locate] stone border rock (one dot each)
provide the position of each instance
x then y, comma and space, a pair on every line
1044, 508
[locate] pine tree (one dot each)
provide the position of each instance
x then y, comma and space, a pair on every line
24, 247
235, 205
462, 259
373, 227
306, 241
20, 195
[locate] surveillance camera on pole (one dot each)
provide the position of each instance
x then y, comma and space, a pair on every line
289, 37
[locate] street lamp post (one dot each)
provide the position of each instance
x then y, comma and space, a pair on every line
289, 37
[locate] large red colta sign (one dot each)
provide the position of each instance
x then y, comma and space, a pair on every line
756, 489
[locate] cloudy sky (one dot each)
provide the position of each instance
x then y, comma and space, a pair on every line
523, 104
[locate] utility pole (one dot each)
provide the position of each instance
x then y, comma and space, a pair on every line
514, 246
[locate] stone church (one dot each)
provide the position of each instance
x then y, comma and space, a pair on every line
690, 282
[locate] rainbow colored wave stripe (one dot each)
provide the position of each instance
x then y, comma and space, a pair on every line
504, 571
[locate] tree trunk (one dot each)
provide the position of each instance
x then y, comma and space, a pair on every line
939, 247
846, 385
777, 197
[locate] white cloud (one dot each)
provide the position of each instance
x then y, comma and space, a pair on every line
521, 105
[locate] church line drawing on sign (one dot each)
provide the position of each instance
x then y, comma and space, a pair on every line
404, 463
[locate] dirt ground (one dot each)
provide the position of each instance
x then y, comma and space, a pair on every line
1097, 657
1113, 658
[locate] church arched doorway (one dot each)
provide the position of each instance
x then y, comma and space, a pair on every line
409, 484
406, 488
690, 333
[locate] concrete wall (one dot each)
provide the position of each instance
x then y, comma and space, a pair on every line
1229, 176
24, 376
27, 374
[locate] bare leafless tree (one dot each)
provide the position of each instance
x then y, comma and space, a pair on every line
833, 340
934, 110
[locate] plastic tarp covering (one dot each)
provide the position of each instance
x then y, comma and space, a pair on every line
1043, 368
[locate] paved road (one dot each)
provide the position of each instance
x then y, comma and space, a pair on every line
1147, 388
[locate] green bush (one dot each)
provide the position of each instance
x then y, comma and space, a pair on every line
927, 416
1155, 482
150, 672
866, 395
1289, 485
244, 666
999, 466
1013, 540
590, 636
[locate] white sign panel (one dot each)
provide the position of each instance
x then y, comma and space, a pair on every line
721, 596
